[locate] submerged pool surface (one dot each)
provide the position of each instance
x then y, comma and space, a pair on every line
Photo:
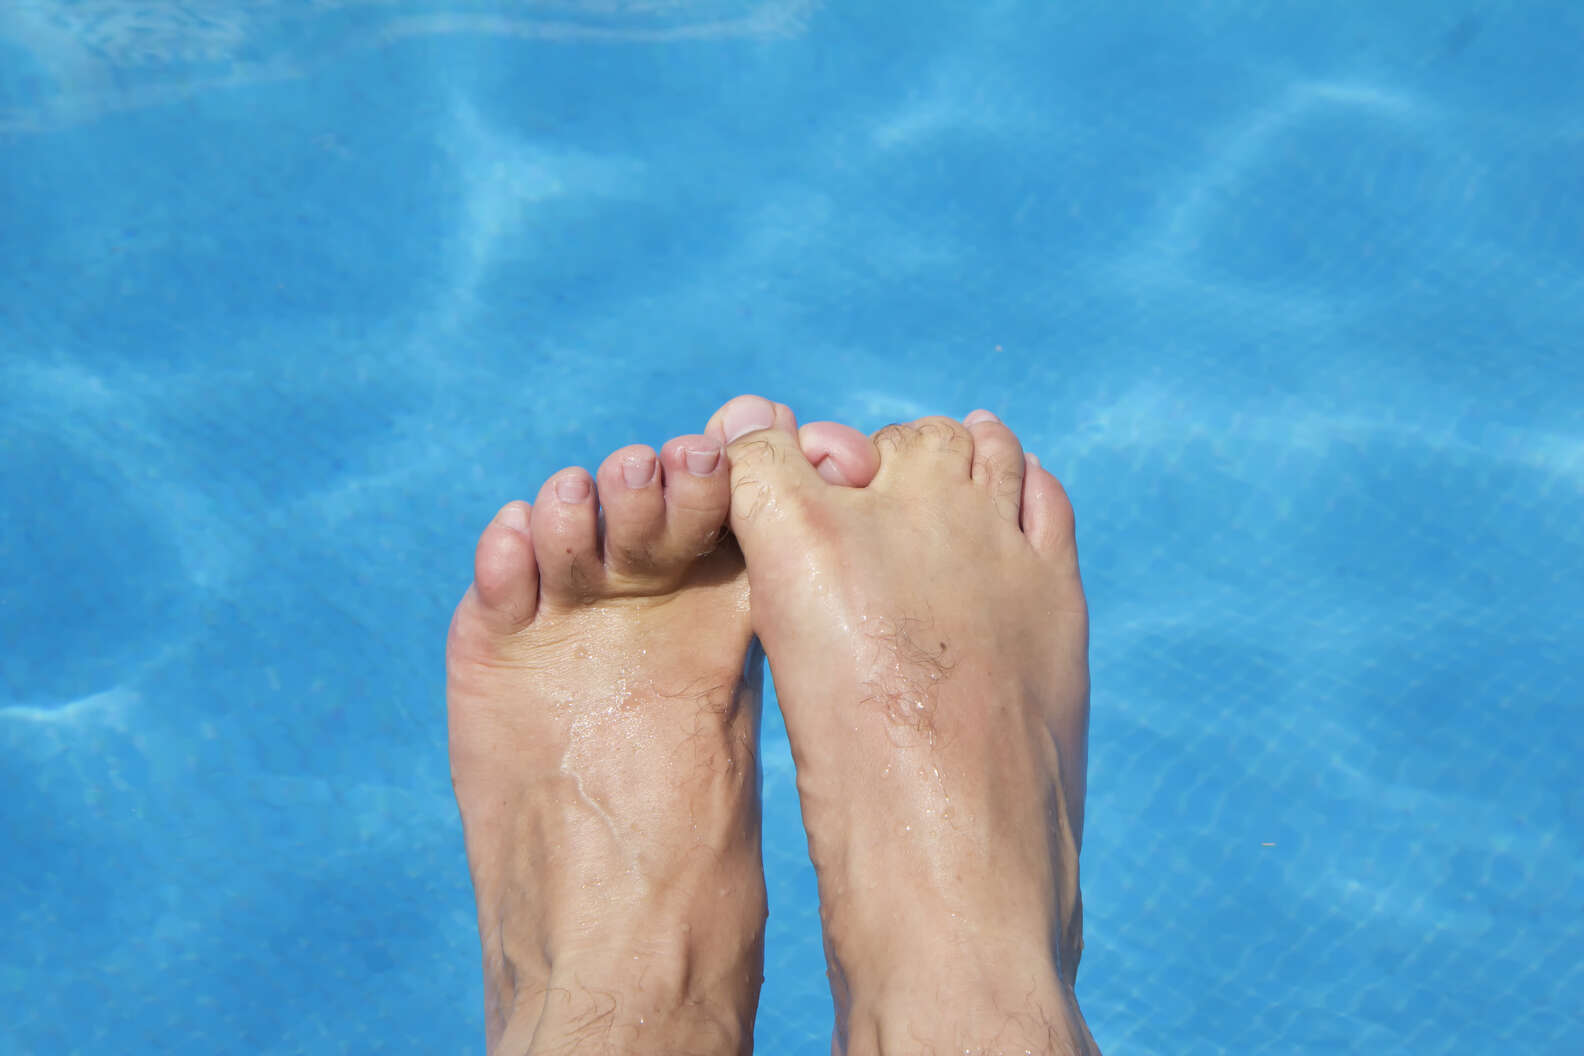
294, 295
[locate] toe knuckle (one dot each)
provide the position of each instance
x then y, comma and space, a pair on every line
755, 450
894, 437
895, 431
946, 433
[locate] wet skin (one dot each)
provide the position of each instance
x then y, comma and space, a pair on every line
919, 600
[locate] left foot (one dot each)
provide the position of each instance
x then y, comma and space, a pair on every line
604, 752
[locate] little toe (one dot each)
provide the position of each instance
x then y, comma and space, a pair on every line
633, 502
697, 497
1047, 514
565, 528
505, 575
997, 462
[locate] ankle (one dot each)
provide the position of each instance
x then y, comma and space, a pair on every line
597, 1023
961, 1004
658, 1001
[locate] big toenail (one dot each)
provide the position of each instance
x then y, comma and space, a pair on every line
572, 489
636, 472
703, 463
747, 416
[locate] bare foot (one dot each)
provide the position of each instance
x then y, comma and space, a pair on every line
604, 729
603, 749
928, 636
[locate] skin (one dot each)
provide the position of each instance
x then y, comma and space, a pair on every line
928, 635
918, 597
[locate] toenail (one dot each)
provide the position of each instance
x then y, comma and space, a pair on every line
831, 473
703, 463
572, 489
1031, 458
980, 416
748, 416
514, 517
636, 472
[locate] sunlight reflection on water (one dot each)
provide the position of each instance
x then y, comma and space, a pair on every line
67, 61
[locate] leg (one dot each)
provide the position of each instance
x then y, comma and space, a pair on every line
928, 635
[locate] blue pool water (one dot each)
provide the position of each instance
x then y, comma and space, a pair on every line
293, 295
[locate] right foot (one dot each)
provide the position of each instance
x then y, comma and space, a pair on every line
928, 636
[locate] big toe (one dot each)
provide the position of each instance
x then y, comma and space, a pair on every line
840, 454
767, 466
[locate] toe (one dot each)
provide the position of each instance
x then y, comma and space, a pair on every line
697, 494
505, 575
997, 462
633, 502
565, 536
928, 449
749, 414
1047, 515
767, 467
839, 453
